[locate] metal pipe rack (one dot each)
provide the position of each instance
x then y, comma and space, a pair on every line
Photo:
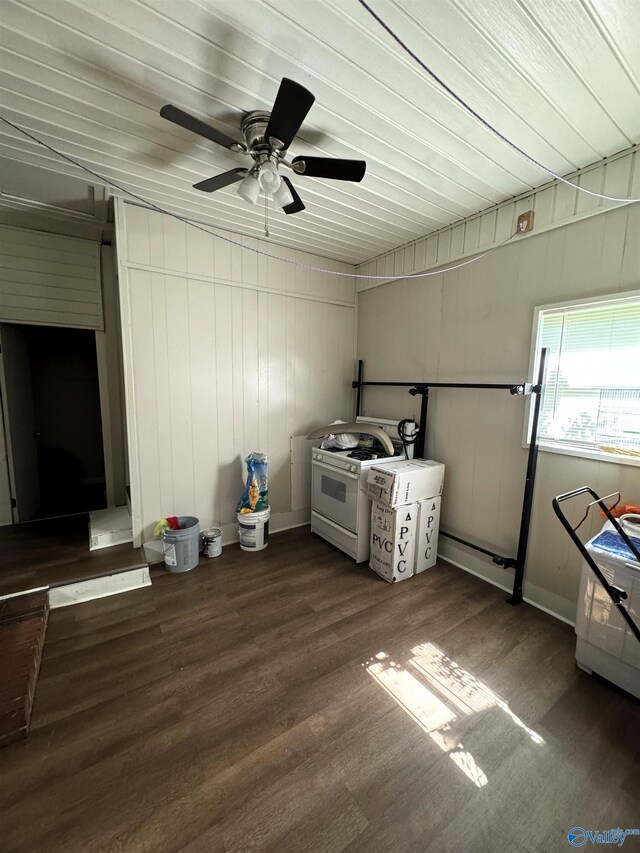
421, 389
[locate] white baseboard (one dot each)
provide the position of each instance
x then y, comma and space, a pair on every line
548, 602
277, 523
75, 593
285, 521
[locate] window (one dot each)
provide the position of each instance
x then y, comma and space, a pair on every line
591, 404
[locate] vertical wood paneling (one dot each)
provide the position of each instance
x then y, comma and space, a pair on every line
276, 370
250, 378
109, 352
179, 400
554, 205
199, 253
302, 367
204, 395
222, 259
420, 256
475, 324
143, 378
629, 276
240, 371
217, 369
291, 372
161, 384
224, 415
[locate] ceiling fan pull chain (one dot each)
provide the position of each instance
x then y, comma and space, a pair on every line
266, 215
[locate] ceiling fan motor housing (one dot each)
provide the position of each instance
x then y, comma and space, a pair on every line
254, 125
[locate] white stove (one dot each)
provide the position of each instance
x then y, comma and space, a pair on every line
340, 510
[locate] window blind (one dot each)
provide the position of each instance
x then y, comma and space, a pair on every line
592, 393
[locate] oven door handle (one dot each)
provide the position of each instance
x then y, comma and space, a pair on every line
335, 470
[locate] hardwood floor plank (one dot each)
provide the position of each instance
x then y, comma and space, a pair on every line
292, 701
55, 552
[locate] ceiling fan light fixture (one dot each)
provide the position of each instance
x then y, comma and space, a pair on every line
268, 177
249, 189
282, 196
267, 138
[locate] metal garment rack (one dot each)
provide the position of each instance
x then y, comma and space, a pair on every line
523, 389
616, 594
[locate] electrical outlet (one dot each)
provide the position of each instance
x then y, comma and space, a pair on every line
525, 222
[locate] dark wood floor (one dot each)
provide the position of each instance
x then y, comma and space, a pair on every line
291, 701
56, 551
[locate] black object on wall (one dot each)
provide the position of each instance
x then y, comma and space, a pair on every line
523, 389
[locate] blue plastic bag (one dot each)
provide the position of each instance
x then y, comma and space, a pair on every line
255, 497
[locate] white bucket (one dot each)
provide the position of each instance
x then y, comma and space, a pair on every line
253, 530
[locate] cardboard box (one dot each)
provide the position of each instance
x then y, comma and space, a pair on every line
426, 548
404, 540
393, 537
405, 482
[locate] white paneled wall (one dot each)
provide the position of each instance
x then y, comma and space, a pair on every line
225, 352
555, 205
49, 280
475, 324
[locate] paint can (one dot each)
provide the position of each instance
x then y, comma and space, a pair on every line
212, 542
253, 530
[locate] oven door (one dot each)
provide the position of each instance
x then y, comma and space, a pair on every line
334, 494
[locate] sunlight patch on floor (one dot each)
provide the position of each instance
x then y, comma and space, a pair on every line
436, 693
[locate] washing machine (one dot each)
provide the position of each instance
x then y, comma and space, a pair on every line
605, 644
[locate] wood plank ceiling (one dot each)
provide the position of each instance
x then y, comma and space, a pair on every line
562, 79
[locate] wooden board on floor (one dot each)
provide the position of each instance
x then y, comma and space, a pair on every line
23, 623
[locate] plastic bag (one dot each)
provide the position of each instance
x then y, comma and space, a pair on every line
255, 497
341, 440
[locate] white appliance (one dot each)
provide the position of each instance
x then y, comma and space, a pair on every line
605, 644
340, 509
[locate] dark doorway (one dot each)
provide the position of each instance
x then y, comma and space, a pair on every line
58, 395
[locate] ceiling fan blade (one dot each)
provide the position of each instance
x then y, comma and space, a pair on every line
219, 181
330, 167
290, 109
296, 205
189, 122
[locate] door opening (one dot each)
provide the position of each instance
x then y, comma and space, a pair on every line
52, 421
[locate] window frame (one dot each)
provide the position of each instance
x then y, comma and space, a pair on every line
552, 447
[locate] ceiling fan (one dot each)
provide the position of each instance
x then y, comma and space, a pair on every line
267, 138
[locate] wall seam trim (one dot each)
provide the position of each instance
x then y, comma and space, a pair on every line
243, 285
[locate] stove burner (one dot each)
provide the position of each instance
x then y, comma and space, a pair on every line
363, 453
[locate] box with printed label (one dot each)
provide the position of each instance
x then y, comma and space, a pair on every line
426, 550
405, 482
393, 536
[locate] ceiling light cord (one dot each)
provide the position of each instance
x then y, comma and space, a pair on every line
104, 180
482, 120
